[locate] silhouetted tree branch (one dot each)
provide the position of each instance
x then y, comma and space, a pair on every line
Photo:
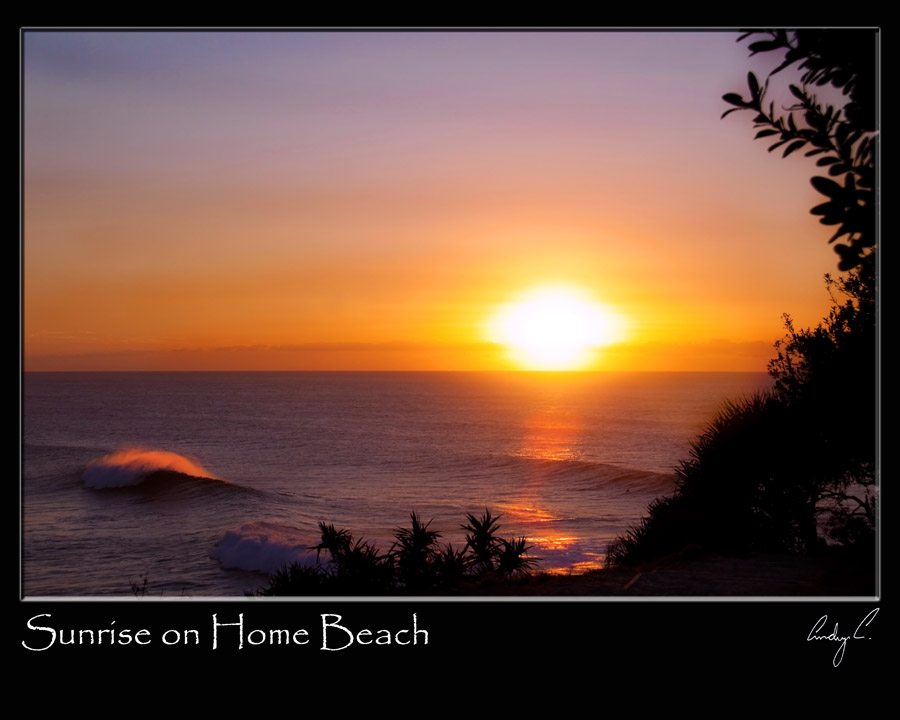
841, 129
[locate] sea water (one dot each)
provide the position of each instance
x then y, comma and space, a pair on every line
202, 483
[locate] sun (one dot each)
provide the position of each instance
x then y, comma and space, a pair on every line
554, 328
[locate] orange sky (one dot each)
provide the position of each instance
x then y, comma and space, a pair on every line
368, 200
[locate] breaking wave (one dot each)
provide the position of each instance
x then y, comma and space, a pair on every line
262, 546
131, 466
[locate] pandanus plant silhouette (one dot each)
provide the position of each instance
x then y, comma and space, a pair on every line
334, 541
513, 559
481, 541
415, 551
415, 562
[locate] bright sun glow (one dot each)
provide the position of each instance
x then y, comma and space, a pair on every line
555, 329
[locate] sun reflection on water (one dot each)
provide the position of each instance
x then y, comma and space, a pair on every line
527, 514
578, 568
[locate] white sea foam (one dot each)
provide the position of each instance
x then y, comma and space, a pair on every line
264, 547
129, 466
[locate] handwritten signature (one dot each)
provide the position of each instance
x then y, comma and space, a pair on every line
842, 639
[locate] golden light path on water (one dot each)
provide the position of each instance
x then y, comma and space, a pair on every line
549, 437
546, 541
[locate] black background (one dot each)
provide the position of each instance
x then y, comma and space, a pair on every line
541, 643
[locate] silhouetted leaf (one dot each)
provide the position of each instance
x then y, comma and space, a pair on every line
814, 120
849, 140
753, 83
843, 137
849, 258
826, 186
763, 46
841, 231
824, 208
796, 145
841, 132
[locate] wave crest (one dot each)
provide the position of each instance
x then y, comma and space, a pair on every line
263, 547
131, 466
589, 475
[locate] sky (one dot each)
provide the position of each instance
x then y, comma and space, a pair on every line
316, 200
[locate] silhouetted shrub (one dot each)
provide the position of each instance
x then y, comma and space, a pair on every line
416, 562
415, 552
512, 558
780, 471
668, 527
482, 543
745, 487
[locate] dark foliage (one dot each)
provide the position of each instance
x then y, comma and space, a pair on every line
416, 562
294, 579
776, 471
450, 567
513, 558
334, 541
747, 486
482, 542
827, 377
415, 552
841, 131
667, 527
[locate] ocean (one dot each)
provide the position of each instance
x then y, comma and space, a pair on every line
200, 484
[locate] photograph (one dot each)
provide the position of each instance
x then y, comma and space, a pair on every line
447, 318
